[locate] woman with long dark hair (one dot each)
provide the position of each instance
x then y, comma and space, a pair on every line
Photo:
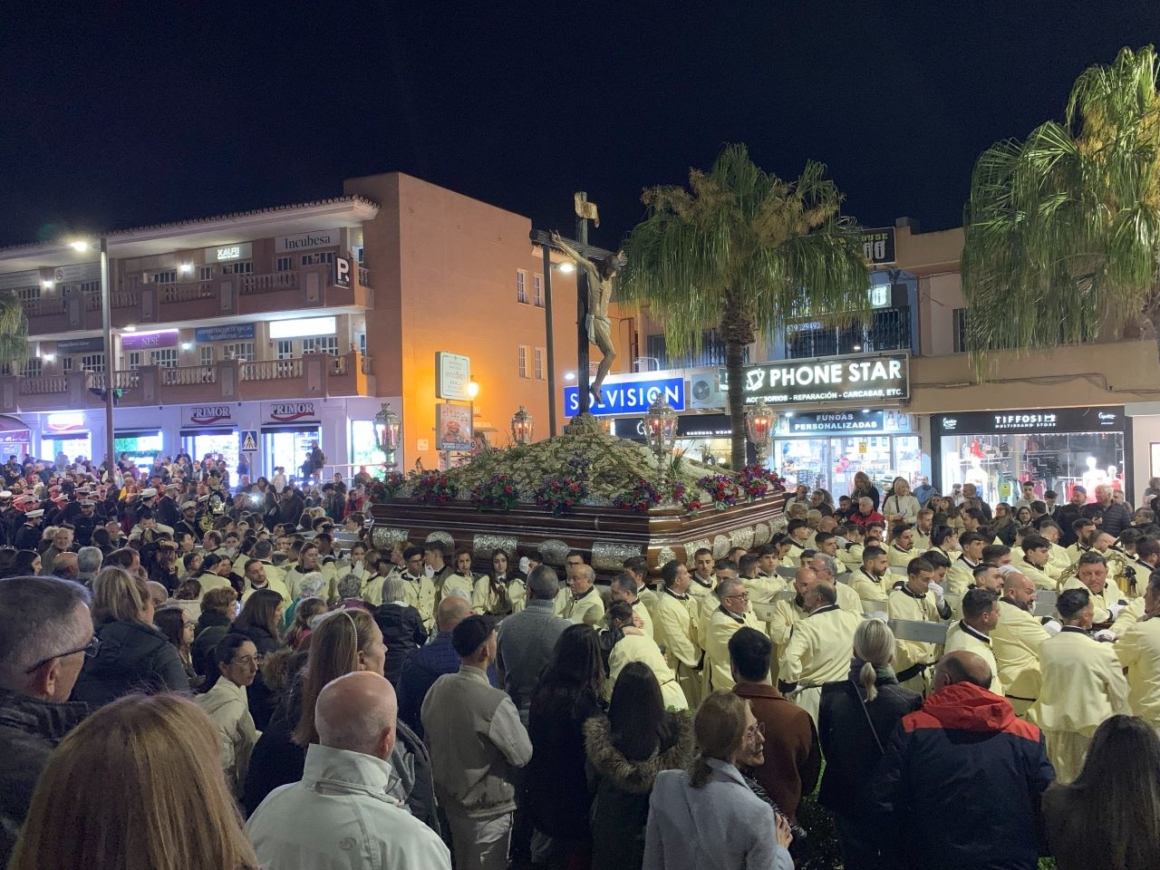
225, 703
570, 692
1117, 798
626, 750
175, 624
259, 621
501, 591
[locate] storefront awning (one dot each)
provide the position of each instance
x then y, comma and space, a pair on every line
12, 424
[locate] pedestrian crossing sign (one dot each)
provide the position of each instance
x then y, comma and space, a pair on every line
249, 440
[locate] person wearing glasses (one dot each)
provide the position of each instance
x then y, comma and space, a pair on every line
733, 613
134, 656
45, 633
226, 703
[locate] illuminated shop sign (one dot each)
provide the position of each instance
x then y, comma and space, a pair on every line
629, 396
840, 422
837, 379
1031, 420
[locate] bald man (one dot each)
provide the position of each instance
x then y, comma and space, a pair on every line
1016, 641
967, 735
341, 807
423, 666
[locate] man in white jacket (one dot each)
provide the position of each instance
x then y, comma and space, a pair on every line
340, 815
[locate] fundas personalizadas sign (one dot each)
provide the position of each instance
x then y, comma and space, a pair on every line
629, 396
835, 379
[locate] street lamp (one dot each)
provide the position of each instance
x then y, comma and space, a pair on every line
522, 426
387, 434
660, 428
472, 392
759, 423
83, 246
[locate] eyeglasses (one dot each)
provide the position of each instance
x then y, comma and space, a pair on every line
744, 596
89, 649
755, 729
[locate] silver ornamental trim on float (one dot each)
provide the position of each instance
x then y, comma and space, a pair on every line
607, 556
554, 551
665, 555
442, 537
692, 547
385, 537
721, 545
482, 546
742, 537
762, 534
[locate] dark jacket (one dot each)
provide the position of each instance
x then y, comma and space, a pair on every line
964, 748
848, 743
29, 730
403, 631
557, 782
211, 628
621, 789
133, 657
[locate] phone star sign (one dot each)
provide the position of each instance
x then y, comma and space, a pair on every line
452, 376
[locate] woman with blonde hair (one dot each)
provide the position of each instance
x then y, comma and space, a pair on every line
134, 655
900, 505
136, 786
855, 720
711, 804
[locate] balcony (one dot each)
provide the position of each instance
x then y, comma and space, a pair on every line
320, 375
186, 301
887, 329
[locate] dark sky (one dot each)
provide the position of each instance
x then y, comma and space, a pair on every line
123, 113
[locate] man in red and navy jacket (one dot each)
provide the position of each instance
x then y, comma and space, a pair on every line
961, 779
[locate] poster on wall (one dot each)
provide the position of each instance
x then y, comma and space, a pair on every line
453, 423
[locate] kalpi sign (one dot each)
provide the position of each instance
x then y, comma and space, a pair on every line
289, 412
208, 415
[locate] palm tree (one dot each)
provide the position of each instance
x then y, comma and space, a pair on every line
744, 250
13, 330
1062, 231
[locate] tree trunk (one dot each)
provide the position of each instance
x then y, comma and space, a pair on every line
734, 369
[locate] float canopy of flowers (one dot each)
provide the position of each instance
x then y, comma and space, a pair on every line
589, 467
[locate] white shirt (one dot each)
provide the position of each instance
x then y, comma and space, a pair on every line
340, 817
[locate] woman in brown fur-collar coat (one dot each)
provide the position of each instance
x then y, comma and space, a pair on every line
626, 750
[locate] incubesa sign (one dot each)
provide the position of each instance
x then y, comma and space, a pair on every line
829, 380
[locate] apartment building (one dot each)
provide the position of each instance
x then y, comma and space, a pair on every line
273, 328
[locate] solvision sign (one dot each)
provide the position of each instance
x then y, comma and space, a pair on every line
838, 379
629, 397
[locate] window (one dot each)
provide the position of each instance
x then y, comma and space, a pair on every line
134, 360
93, 362
538, 291
89, 287
362, 343
205, 354
521, 290
169, 277
205, 273
959, 318
242, 350
66, 364
285, 264
523, 361
323, 344
315, 259
360, 255
28, 294
246, 267
166, 357
32, 368
538, 363
284, 350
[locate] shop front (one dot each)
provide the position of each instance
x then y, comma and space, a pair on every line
15, 438
289, 432
211, 431
1056, 448
66, 433
825, 449
140, 445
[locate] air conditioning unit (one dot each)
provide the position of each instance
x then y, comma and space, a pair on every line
706, 391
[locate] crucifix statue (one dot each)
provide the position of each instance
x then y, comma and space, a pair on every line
601, 276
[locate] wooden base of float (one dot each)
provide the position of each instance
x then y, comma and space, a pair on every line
606, 535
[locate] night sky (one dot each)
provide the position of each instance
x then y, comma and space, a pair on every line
118, 114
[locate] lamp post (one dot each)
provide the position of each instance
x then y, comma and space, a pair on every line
387, 435
82, 246
472, 392
660, 429
522, 426
759, 423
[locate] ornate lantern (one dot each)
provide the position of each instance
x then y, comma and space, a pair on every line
759, 424
660, 427
522, 426
387, 434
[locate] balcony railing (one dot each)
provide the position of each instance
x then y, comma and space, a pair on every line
270, 283
126, 380
364, 277
43, 386
271, 369
186, 375
887, 329
44, 307
188, 291
712, 352
366, 365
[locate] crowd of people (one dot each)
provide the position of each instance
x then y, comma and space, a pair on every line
200, 676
